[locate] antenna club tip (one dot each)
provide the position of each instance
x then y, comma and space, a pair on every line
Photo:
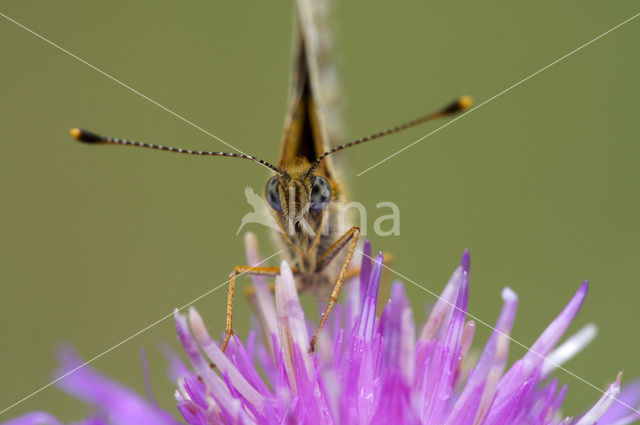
465, 102
85, 136
460, 104
76, 133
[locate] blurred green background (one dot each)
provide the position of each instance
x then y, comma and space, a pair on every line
98, 242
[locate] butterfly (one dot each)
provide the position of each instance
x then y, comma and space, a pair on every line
304, 193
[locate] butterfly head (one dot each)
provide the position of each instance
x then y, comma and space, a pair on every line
297, 194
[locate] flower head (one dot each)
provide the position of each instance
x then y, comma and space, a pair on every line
371, 369
368, 368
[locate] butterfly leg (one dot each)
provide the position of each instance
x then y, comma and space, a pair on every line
351, 238
238, 270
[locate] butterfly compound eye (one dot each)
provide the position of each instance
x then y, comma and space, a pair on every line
320, 193
272, 194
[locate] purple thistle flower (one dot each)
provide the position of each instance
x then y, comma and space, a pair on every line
113, 403
374, 370
367, 369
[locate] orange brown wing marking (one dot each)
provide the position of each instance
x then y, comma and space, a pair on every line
302, 140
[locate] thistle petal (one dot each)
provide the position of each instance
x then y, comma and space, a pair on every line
481, 386
529, 367
262, 300
572, 346
599, 409
222, 362
619, 411
292, 334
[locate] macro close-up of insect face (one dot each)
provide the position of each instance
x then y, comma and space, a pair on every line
343, 308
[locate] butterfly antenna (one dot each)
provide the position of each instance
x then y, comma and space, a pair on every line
454, 107
93, 138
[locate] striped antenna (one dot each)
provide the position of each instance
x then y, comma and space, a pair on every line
454, 107
92, 138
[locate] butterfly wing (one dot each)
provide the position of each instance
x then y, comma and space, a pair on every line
313, 119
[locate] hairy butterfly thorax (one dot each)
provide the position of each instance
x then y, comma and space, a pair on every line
304, 193
309, 211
